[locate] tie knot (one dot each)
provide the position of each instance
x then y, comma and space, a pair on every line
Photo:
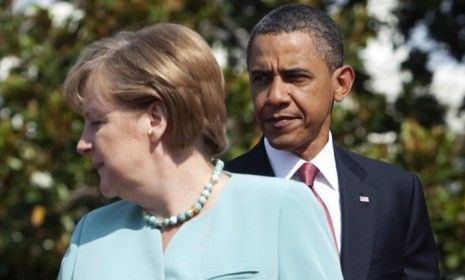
307, 173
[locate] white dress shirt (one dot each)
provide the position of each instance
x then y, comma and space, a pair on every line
326, 184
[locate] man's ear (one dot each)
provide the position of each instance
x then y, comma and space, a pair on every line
157, 118
343, 78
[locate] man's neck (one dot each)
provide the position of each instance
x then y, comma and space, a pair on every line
284, 162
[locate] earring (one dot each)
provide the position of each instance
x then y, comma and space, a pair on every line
149, 132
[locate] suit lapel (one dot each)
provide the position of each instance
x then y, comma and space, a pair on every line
358, 215
257, 161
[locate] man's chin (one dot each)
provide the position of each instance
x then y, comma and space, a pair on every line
281, 142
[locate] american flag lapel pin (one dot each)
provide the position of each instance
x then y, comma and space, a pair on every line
364, 199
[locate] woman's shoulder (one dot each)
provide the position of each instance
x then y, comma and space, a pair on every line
119, 208
272, 183
271, 187
268, 199
110, 218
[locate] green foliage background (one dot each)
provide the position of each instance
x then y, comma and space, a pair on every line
45, 186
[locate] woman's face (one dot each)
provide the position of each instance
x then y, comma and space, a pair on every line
116, 139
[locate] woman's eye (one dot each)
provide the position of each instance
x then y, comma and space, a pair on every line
96, 124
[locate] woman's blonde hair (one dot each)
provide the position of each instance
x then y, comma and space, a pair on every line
165, 62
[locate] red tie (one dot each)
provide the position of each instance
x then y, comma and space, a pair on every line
307, 173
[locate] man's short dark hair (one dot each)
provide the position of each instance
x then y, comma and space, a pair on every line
290, 18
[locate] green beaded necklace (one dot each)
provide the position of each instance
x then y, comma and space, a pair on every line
162, 223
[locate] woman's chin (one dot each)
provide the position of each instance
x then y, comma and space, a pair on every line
108, 191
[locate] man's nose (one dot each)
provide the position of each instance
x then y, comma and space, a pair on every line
278, 92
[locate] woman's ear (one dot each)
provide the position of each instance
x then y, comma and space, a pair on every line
156, 114
344, 78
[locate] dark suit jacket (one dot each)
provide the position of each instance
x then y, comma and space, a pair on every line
388, 237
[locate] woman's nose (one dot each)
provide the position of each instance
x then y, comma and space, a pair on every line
83, 147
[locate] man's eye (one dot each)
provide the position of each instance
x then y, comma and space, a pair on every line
260, 79
295, 77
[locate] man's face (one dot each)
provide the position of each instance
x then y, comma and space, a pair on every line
293, 91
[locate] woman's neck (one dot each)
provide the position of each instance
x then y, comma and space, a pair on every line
178, 183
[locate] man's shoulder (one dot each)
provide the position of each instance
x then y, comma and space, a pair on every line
240, 163
254, 162
370, 165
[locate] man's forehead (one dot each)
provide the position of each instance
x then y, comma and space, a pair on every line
282, 62
282, 44
293, 50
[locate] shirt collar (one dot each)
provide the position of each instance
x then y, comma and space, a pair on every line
285, 163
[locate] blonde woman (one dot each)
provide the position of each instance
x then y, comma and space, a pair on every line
153, 105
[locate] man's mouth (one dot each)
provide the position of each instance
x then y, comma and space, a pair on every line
279, 121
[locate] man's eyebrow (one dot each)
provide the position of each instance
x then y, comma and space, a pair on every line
260, 72
295, 71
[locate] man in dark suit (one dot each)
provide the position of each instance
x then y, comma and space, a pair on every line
375, 211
